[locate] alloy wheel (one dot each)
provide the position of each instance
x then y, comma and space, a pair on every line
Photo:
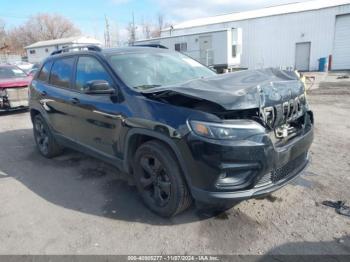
155, 181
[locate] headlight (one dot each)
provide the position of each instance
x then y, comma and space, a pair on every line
234, 129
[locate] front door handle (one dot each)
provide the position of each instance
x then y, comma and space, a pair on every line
75, 100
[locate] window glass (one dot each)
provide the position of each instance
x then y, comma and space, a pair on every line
61, 72
89, 69
45, 71
11, 72
151, 69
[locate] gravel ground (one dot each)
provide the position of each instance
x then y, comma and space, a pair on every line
75, 204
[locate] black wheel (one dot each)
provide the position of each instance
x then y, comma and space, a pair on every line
44, 139
159, 180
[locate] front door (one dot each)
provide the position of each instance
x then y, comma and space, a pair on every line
302, 56
96, 120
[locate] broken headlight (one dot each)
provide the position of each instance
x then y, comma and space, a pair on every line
233, 129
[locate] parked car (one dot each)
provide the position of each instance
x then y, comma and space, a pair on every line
14, 84
25, 66
182, 131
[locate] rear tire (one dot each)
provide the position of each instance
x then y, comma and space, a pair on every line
159, 179
44, 139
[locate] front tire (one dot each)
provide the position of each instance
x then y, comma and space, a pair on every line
159, 179
44, 139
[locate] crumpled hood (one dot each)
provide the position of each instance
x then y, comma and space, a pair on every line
15, 82
242, 89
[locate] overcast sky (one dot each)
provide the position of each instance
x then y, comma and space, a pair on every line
88, 15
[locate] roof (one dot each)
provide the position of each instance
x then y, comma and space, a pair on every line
68, 40
112, 51
263, 12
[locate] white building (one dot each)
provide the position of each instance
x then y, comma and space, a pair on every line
293, 35
40, 50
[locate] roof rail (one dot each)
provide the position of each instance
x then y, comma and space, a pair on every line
80, 47
151, 45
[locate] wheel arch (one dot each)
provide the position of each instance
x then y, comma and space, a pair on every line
138, 136
33, 113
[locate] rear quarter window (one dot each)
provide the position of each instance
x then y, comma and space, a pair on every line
61, 72
45, 72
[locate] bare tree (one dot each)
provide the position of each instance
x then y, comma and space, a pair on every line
42, 27
3, 35
160, 21
146, 30
156, 32
131, 31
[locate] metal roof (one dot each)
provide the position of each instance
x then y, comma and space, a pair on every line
263, 12
68, 40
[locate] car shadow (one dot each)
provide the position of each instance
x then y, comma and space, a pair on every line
337, 250
13, 112
79, 182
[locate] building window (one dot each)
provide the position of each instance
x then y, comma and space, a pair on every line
32, 52
181, 47
234, 50
234, 32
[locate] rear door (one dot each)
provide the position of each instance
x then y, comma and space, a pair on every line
97, 120
56, 96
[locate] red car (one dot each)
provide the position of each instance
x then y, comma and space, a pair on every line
14, 84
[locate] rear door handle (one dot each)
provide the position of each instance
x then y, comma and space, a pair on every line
75, 100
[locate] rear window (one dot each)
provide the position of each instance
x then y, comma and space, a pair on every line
45, 71
61, 72
11, 72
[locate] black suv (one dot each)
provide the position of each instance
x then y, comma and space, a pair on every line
182, 131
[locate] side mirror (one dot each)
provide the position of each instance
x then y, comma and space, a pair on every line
98, 87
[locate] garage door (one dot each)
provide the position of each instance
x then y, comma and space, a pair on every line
341, 52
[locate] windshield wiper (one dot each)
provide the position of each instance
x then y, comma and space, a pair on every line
144, 87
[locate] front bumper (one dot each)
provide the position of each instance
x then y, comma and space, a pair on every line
236, 170
13, 98
259, 191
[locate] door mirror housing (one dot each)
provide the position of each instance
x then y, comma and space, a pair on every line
98, 87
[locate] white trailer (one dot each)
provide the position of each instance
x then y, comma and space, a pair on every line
220, 49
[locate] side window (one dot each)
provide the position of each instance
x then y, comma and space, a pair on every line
89, 69
45, 71
61, 72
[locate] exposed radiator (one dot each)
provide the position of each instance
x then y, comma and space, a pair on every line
17, 96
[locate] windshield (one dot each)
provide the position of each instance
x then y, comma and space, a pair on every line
11, 72
148, 70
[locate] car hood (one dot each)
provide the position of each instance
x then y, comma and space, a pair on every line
240, 90
15, 82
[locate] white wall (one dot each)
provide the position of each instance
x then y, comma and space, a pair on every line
41, 53
270, 41
219, 44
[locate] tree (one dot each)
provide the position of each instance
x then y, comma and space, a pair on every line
131, 31
41, 27
146, 30
160, 25
3, 35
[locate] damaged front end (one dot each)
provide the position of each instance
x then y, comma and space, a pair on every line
260, 135
13, 98
273, 98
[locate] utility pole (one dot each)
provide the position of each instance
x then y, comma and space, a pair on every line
107, 34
